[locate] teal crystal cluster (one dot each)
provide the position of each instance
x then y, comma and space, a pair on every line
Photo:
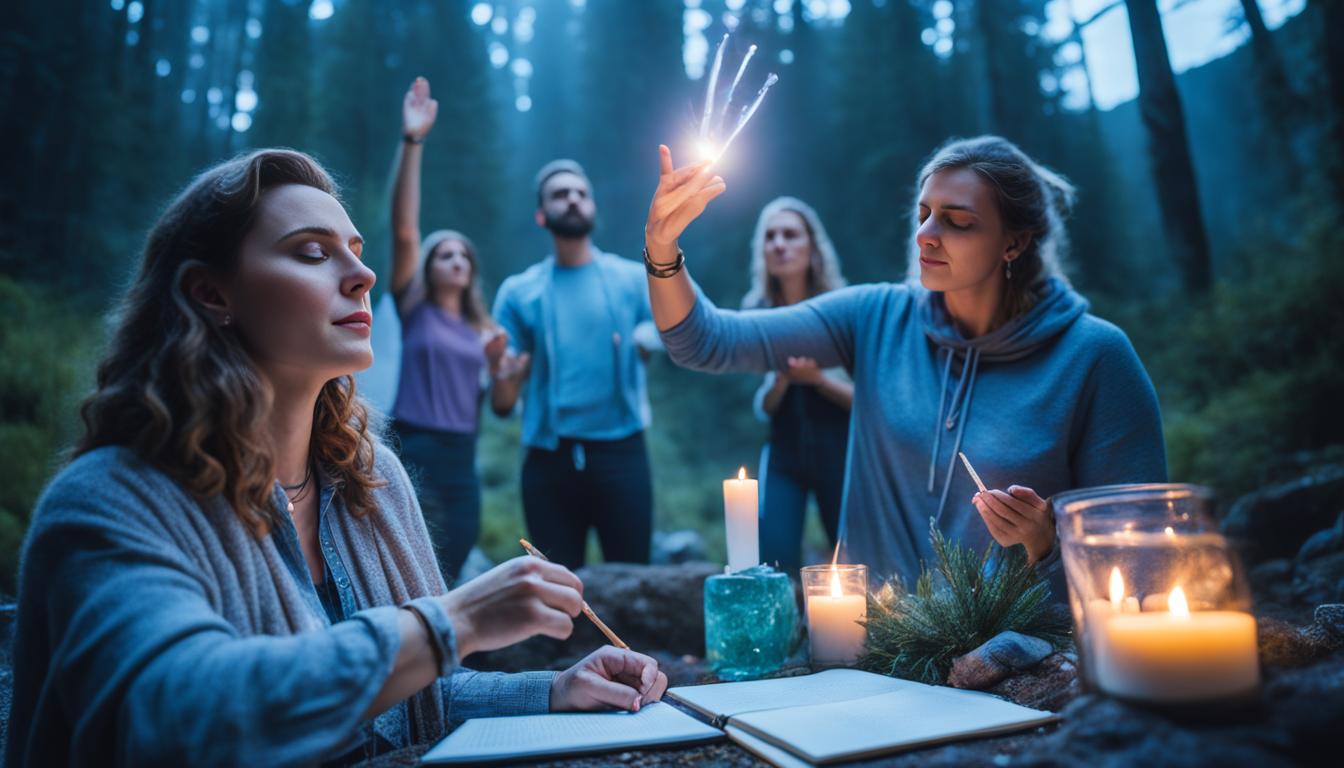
751, 622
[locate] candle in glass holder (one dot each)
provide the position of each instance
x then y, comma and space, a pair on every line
1177, 655
836, 602
1145, 643
741, 521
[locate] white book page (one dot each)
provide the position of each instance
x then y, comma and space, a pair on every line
512, 738
890, 721
832, 685
776, 756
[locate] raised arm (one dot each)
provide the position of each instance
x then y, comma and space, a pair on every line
699, 335
681, 197
418, 111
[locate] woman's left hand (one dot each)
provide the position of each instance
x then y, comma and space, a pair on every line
609, 677
1018, 516
495, 345
804, 370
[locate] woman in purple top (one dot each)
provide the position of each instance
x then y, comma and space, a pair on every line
448, 340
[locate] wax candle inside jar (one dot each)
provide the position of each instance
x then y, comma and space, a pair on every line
741, 520
1177, 655
835, 635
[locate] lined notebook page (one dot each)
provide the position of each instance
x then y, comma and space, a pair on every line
514, 738
887, 722
822, 687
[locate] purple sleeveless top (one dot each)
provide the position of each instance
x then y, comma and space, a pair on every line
441, 361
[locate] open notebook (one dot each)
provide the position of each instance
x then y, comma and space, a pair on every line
510, 739
845, 714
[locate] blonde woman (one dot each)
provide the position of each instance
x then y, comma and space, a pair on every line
808, 409
449, 342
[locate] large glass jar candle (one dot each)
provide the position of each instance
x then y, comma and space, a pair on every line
1159, 598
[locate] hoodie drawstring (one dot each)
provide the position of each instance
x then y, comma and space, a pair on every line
942, 401
955, 418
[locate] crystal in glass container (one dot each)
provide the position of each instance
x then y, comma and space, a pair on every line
750, 622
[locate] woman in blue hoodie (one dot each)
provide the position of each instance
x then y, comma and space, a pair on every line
985, 349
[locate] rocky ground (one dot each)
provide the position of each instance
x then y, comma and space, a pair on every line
1293, 537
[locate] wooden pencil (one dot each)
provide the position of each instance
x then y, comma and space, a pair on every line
587, 611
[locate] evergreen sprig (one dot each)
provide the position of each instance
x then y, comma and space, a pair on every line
963, 602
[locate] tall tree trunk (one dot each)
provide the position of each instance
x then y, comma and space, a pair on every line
1272, 76
1331, 19
1168, 147
1282, 109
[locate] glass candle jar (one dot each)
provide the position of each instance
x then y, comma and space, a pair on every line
837, 600
1160, 602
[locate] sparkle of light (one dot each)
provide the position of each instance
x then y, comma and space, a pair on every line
320, 10
481, 13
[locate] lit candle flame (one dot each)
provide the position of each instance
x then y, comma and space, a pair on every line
1177, 605
742, 473
835, 583
1117, 588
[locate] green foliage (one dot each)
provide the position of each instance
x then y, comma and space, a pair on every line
966, 600
48, 357
1249, 376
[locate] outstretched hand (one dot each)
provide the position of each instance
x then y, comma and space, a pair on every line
681, 197
513, 366
495, 343
418, 110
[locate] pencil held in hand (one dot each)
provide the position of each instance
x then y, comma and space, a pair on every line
971, 469
587, 611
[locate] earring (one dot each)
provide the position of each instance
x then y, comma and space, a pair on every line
1009, 271
228, 320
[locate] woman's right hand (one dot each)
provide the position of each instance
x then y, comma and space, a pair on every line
681, 197
418, 110
513, 601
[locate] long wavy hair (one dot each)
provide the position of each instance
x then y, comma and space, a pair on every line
181, 391
823, 269
473, 303
1032, 199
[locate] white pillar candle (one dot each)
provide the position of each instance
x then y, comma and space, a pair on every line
741, 521
1177, 655
834, 634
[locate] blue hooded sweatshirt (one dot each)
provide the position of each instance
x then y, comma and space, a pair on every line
1053, 400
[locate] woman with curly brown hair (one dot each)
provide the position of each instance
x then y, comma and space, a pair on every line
233, 570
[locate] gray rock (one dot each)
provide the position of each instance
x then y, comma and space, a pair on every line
1001, 656
477, 562
1274, 521
1284, 645
1324, 542
650, 607
677, 547
1330, 617
1320, 580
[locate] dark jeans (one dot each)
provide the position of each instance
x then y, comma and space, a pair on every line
806, 454
442, 466
602, 484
